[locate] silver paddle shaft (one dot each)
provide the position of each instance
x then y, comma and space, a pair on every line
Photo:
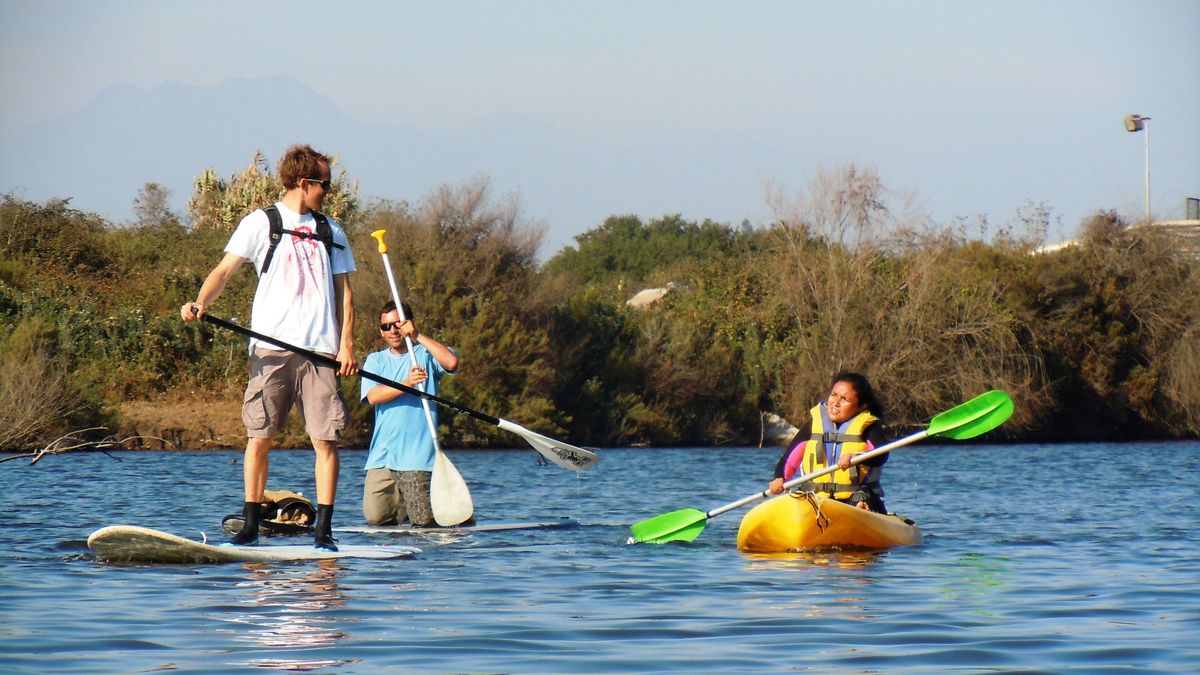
857, 459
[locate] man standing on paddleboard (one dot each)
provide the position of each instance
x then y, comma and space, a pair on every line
303, 261
400, 462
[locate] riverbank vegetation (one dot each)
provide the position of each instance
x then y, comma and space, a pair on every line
1097, 341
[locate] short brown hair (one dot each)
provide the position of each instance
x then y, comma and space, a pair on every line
301, 161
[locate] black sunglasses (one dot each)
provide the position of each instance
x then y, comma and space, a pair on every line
323, 183
388, 326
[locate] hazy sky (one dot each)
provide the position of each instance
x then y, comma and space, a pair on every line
976, 107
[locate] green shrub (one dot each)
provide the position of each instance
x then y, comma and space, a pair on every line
52, 235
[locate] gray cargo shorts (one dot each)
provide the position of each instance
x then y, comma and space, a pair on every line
280, 379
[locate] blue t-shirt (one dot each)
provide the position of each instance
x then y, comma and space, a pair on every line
401, 440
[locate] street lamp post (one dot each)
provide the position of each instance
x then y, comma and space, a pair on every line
1134, 123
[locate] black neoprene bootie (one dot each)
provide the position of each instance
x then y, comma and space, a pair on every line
323, 538
248, 535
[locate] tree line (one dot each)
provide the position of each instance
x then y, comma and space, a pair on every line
1097, 341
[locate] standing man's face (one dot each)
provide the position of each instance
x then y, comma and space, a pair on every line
315, 187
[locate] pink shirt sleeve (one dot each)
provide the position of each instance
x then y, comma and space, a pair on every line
793, 461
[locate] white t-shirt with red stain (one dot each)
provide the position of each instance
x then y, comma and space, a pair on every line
295, 300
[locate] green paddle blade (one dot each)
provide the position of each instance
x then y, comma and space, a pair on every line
681, 525
977, 416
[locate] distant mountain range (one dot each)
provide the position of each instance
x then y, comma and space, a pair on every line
101, 155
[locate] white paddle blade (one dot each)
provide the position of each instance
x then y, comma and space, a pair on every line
448, 493
563, 454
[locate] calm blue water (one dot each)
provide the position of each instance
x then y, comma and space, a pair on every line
1037, 558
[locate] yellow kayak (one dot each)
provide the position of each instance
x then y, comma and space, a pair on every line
800, 521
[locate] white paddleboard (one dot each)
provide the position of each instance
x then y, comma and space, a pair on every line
407, 528
132, 544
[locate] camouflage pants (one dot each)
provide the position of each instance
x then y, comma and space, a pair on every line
390, 497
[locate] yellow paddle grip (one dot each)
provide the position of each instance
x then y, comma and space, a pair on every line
378, 234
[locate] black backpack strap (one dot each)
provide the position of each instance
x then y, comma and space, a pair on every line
324, 234
275, 233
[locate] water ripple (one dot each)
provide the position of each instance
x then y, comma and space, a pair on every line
1082, 578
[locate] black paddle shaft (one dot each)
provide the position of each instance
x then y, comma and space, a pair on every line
321, 358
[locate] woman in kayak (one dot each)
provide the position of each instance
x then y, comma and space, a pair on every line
846, 424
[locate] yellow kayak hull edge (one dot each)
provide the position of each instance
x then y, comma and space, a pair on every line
789, 522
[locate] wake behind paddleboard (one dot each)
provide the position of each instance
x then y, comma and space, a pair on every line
233, 523
407, 528
132, 544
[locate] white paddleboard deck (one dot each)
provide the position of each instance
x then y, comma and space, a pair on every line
132, 544
407, 528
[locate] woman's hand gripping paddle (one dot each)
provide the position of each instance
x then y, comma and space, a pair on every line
449, 496
977, 416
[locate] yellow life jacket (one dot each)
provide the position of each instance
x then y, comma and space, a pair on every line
843, 483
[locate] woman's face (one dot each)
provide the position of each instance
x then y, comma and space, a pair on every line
843, 402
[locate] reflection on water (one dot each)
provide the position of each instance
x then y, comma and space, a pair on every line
290, 608
842, 559
301, 665
848, 600
975, 579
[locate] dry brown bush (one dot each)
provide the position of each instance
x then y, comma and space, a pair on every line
1182, 381
1136, 292
36, 397
931, 325
466, 263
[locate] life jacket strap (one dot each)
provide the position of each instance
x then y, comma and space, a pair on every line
836, 437
832, 488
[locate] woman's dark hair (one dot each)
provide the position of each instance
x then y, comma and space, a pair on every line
866, 394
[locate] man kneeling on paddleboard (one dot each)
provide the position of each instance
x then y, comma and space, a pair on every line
400, 461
